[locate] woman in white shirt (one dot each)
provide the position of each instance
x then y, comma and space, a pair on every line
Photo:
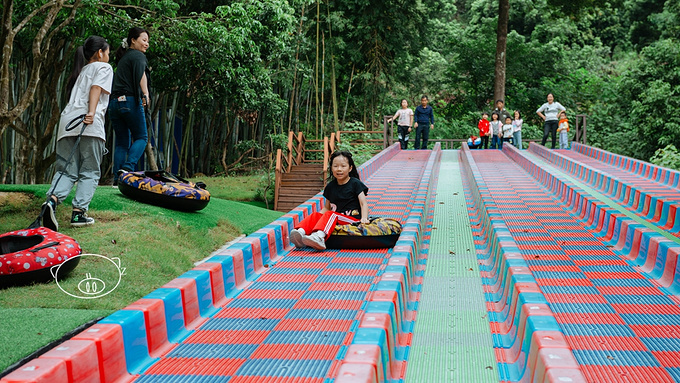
548, 113
405, 115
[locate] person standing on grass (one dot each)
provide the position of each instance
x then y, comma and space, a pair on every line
517, 130
424, 118
549, 112
405, 115
89, 87
130, 96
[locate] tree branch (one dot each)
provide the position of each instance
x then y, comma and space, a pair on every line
31, 16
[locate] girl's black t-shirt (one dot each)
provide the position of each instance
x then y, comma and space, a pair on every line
345, 198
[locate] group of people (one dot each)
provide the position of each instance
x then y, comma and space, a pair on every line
422, 120
505, 128
94, 88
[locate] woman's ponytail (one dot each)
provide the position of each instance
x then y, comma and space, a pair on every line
78, 63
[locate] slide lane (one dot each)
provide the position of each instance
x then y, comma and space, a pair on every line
259, 311
647, 194
295, 321
619, 325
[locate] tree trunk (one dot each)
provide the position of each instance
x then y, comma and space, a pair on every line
501, 43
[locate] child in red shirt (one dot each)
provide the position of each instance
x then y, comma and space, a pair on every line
484, 131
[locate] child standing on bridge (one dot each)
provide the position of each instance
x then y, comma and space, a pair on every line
345, 204
405, 115
563, 130
497, 132
484, 131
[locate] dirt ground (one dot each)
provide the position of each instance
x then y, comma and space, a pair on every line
14, 198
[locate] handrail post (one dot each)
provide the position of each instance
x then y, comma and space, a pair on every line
325, 160
300, 148
277, 178
332, 143
290, 150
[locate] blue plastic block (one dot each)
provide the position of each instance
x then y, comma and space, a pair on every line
203, 290
174, 312
137, 356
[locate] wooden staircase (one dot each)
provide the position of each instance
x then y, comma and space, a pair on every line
300, 184
299, 178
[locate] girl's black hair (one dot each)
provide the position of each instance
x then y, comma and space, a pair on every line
343, 153
133, 34
495, 114
84, 53
518, 112
402, 100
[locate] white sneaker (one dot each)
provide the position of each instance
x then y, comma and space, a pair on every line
296, 237
316, 240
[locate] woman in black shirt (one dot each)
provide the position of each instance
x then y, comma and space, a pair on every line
129, 96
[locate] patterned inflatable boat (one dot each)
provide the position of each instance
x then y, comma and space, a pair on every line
380, 233
164, 189
26, 256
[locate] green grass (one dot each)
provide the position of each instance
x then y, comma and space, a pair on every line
154, 244
26, 330
242, 188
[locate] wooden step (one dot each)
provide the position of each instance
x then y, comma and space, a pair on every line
301, 177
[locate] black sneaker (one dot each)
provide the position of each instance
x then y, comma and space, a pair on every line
49, 220
80, 218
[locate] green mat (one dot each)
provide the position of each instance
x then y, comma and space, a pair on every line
451, 338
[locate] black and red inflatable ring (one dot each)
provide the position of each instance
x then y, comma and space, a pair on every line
26, 256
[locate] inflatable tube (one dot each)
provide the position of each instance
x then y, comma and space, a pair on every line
380, 233
26, 256
163, 189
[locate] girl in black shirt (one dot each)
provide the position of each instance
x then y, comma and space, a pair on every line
345, 204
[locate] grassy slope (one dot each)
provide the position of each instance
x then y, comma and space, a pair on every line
154, 244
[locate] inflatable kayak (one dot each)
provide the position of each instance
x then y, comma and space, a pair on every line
380, 233
26, 256
161, 188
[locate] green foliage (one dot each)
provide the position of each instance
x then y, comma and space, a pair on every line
668, 157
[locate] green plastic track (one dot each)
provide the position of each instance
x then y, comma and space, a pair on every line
451, 338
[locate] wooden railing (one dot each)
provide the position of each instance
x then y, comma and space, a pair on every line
294, 155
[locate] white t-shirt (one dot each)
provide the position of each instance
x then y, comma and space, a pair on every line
404, 116
551, 110
507, 130
96, 73
517, 125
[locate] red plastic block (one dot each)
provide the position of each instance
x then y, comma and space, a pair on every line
384, 322
41, 370
571, 375
357, 373
549, 358
368, 354
196, 366
192, 316
110, 351
80, 357
216, 282
257, 253
156, 328
239, 267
